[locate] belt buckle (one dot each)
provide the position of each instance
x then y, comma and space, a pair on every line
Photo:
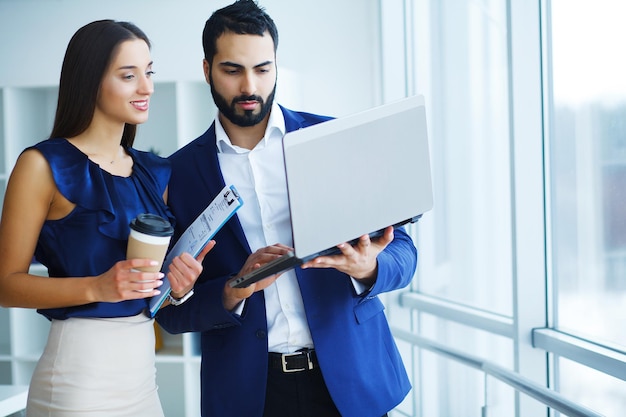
284, 357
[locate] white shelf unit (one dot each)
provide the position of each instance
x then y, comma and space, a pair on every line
179, 112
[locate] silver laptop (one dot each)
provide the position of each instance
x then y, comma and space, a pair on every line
352, 176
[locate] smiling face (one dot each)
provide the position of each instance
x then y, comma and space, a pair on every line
242, 77
126, 85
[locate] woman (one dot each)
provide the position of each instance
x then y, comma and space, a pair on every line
69, 202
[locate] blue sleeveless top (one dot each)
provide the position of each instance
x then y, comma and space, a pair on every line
89, 240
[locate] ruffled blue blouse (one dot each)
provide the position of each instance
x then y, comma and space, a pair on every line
94, 235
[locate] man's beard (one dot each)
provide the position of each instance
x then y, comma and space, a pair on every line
248, 118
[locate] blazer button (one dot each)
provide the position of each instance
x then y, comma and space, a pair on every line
260, 334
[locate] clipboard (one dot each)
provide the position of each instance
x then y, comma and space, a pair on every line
197, 235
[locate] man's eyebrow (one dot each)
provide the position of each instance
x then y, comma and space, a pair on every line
263, 64
230, 64
235, 65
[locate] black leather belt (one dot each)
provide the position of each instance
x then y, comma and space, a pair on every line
302, 360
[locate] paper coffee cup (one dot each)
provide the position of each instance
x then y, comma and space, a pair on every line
149, 238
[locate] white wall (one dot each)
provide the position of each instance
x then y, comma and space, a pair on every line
328, 55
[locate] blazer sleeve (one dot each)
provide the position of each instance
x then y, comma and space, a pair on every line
396, 265
204, 311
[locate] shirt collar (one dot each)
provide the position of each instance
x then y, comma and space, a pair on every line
275, 130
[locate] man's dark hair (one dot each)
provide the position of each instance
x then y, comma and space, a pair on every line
243, 17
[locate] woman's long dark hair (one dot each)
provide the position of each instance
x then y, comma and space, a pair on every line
87, 57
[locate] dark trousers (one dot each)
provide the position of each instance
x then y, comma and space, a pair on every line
298, 394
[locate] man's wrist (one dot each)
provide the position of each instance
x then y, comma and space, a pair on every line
231, 303
178, 301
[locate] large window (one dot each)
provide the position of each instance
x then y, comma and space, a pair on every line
523, 258
586, 116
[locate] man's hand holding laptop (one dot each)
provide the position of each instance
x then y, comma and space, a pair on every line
358, 261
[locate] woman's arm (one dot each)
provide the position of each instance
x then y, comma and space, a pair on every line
31, 198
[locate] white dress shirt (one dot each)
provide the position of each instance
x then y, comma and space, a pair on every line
259, 176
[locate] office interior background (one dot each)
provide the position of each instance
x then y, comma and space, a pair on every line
517, 306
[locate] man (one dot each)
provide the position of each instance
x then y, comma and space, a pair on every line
313, 341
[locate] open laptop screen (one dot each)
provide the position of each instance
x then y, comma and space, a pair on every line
353, 175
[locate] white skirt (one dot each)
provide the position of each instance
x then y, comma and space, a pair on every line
96, 368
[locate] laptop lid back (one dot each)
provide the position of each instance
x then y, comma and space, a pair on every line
357, 174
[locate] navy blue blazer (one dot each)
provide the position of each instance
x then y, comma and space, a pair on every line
357, 354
